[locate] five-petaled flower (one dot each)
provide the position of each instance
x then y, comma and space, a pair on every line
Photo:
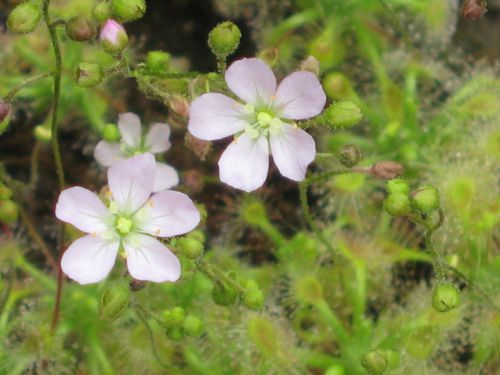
263, 125
134, 143
130, 222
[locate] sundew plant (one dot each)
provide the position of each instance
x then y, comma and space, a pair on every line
249, 187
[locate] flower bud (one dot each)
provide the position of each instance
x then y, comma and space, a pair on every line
42, 133
224, 39
114, 301
110, 133
335, 370
193, 326
8, 211
397, 186
349, 155
175, 333
253, 298
473, 9
338, 87
224, 295
5, 192
174, 317
191, 248
310, 64
5, 109
88, 74
253, 212
375, 362
157, 61
397, 204
101, 11
128, 10
198, 235
343, 114
386, 169
81, 29
25, 17
445, 297
113, 37
426, 198
179, 105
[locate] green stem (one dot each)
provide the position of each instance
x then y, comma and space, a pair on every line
28, 82
215, 273
55, 144
331, 318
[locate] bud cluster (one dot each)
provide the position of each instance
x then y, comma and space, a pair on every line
229, 291
8, 208
179, 324
399, 202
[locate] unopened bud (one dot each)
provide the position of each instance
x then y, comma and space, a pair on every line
473, 9
193, 326
42, 133
224, 39
81, 29
179, 105
114, 301
253, 298
343, 114
397, 186
190, 247
110, 133
445, 297
8, 211
128, 10
101, 11
386, 169
349, 155
310, 64
174, 317
88, 74
224, 295
375, 362
157, 61
397, 204
5, 109
25, 17
337, 86
426, 198
113, 37
5, 192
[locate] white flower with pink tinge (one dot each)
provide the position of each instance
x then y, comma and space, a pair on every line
262, 126
130, 222
134, 143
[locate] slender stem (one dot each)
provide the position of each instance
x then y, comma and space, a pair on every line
34, 165
27, 82
221, 65
55, 144
215, 273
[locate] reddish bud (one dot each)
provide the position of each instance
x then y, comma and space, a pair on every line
473, 9
199, 147
179, 105
386, 169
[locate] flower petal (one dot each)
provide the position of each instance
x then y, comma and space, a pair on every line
166, 177
130, 128
215, 116
252, 80
157, 139
148, 259
245, 162
89, 259
107, 153
293, 150
131, 181
168, 213
83, 209
300, 96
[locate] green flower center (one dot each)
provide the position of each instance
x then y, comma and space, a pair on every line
124, 225
263, 123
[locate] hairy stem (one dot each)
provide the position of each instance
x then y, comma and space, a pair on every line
28, 82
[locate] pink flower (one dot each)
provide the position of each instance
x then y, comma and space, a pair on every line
113, 37
134, 143
130, 222
263, 125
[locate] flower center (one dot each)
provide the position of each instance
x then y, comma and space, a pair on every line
123, 225
264, 123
